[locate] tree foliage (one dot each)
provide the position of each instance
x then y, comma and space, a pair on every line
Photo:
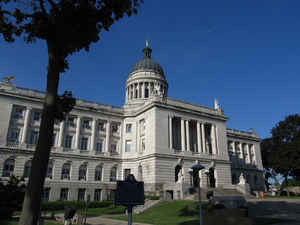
281, 152
67, 26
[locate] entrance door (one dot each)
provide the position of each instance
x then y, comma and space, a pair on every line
212, 179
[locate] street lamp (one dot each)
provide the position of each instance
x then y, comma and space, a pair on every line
196, 168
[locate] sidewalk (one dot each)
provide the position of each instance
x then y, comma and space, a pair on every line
105, 221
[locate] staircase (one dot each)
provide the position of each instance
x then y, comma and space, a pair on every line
216, 191
148, 204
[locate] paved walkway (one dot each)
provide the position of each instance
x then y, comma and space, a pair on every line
104, 221
276, 208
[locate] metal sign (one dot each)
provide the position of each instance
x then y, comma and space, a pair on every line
130, 192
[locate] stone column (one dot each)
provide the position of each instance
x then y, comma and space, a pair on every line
107, 136
77, 135
93, 136
26, 124
143, 90
188, 147
170, 132
61, 134
213, 139
182, 135
199, 146
248, 152
203, 137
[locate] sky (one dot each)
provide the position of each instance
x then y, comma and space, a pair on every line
244, 53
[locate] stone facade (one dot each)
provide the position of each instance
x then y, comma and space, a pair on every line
155, 137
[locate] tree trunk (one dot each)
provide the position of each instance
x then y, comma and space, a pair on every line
32, 200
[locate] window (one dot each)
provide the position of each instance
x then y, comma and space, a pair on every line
27, 169
82, 172
14, 135
113, 174
65, 172
97, 195
101, 126
36, 116
143, 145
99, 146
113, 148
64, 192
142, 126
81, 194
49, 170
71, 121
128, 146
53, 143
18, 113
68, 141
8, 168
86, 124
33, 138
98, 173
46, 194
111, 195
126, 173
83, 143
128, 128
140, 173
114, 128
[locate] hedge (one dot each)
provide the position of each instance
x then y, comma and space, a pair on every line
60, 205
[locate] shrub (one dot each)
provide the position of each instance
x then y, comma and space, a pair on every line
151, 197
12, 196
60, 205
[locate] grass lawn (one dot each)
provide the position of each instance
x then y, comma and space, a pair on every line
187, 213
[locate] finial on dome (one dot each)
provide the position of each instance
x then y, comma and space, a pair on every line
147, 51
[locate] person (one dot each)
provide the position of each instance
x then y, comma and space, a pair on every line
69, 214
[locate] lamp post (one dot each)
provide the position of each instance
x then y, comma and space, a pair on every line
196, 168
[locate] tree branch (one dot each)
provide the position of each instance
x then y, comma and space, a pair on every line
52, 3
42, 6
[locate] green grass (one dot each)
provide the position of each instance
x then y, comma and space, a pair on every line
282, 197
187, 213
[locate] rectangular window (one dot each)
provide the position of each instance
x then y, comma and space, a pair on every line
128, 146
53, 143
86, 124
18, 113
68, 141
14, 135
128, 128
46, 194
33, 138
101, 126
97, 196
99, 146
114, 128
71, 121
83, 143
113, 148
36, 116
64, 192
126, 173
81, 194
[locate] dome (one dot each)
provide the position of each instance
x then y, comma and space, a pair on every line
147, 64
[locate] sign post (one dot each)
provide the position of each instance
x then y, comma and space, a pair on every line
130, 193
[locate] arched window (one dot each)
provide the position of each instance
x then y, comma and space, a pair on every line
65, 172
98, 173
113, 174
50, 170
8, 168
27, 169
82, 172
140, 173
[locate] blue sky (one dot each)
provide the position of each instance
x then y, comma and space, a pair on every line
244, 53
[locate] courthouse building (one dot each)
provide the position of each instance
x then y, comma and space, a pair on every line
153, 136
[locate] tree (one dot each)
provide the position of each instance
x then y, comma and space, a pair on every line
67, 26
281, 152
